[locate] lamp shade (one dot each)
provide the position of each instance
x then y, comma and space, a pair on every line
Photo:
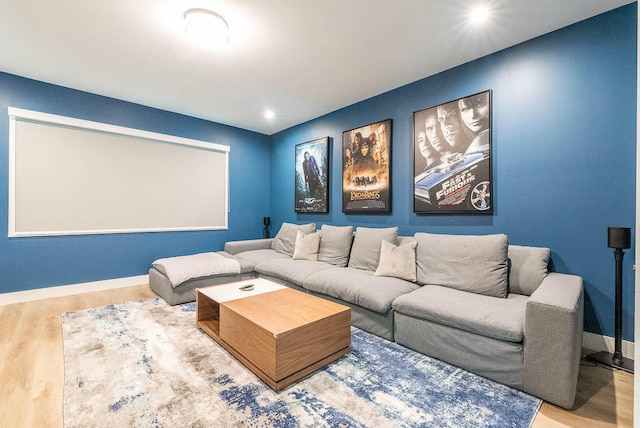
619, 237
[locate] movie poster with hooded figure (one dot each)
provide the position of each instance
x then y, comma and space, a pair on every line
452, 157
312, 176
366, 169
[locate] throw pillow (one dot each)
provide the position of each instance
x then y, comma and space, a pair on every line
477, 264
528, 267
307, 246
365, 252
285, 240
398, 261
335, 244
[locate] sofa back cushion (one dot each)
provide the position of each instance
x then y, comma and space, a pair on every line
401, 240
528, 266
477, 264
285, 240
365, 252
335, 244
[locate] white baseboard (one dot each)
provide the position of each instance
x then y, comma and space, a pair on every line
68, 290
597, 343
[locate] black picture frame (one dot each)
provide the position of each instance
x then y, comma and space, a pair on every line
312, 176
366, 168
452, 154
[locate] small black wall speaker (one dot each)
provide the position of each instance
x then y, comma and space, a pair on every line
267, 221
619, 237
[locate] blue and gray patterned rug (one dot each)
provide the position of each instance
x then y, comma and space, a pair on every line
145, 364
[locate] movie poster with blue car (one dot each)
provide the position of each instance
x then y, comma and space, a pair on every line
312, 176
366, 169
452, 157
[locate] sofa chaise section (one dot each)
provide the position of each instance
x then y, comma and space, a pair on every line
185, 291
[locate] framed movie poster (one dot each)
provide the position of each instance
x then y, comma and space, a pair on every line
452, 157
312, 176
366, 169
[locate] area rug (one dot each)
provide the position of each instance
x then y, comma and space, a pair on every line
146, 364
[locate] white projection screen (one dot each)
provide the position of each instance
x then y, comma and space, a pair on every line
69, 176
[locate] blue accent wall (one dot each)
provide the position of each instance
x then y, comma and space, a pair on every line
28, 263
564, 144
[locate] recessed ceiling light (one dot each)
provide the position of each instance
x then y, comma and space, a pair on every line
479, 14
269, 114
206, 28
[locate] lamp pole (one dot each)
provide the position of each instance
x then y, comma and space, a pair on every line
617, 354
619, 238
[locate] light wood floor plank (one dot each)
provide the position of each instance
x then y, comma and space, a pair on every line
32, 372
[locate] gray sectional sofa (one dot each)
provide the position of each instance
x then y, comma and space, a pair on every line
473, 301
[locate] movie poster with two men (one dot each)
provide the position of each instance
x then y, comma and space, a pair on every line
366, 169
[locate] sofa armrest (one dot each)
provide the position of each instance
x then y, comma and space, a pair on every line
235, 247
553, 339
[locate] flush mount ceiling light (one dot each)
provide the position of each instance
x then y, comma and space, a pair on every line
206, 28
269, 114
479, 14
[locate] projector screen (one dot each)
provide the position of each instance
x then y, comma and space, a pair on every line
69, 176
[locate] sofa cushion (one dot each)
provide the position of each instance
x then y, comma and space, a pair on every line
307, 246
293, 271
501, 319
359, 287
285, 241
365, 252
335, 244
398, 261
258, 256
477, 264
246, 266
528, 266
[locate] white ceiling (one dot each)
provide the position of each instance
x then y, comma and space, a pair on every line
300, 58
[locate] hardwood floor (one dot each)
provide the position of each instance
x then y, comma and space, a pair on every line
31, 359
604, 399
32, 372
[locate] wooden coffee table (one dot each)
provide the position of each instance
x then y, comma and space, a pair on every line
280, 334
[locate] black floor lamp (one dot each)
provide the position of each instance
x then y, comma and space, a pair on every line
619, 238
